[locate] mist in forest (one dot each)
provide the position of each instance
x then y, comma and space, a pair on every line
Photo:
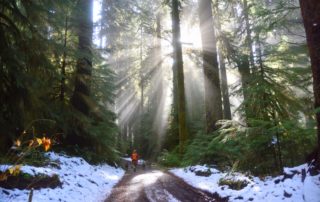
169, 78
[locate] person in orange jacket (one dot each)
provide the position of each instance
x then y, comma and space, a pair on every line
134, 159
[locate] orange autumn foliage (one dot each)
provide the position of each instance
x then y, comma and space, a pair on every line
46, 143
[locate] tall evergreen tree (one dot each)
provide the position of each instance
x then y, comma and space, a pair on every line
178, 74
222, 64
213, 103
310, 10
81, 95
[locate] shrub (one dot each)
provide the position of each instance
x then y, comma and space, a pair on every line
170, 159
232, 183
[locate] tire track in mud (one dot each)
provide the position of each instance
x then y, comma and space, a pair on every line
157, 186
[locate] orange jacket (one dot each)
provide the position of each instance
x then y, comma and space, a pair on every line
134, 156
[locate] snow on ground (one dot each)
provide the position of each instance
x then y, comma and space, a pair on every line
80, 181
171, 198
280, 188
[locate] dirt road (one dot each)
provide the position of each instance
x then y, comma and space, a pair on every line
156, 185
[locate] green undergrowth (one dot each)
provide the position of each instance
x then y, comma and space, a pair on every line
232, 183
27, 181
253, 149
33, 158
170, 159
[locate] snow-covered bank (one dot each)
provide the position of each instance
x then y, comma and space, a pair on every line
281, 188
80, 181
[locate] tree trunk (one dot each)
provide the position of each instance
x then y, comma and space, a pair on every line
213, 103
81, 94
64, 62
248, 32
224, 88
245, 63
178, 68
141, 73
158, 54
310, 10
244, 70
223, 72
141, 88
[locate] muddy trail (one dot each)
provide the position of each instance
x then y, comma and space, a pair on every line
155, 185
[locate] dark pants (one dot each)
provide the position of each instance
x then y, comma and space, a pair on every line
135, 162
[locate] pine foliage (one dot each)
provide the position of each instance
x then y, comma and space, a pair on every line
38, 39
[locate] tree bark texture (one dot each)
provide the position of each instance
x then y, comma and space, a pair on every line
64, 62
222, 65
158, 54
310, 10
140, 134
178, 68
213, 102
248, 32
81, 95
246, 62
224, 88
244, 70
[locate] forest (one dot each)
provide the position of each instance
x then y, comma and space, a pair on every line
230, 83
